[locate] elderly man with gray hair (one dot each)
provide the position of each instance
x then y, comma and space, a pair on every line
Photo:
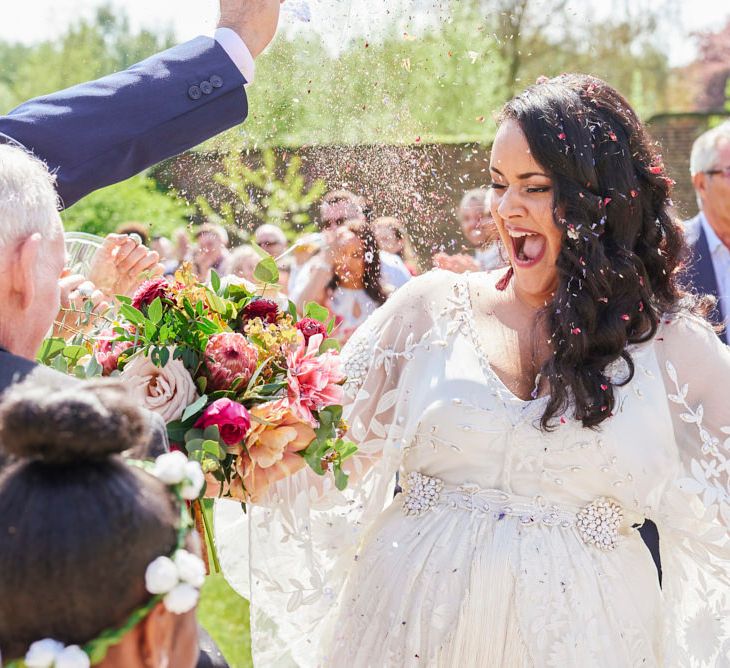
32, 260
708, 233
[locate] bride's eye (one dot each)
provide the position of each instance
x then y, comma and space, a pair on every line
538, 189
497, 186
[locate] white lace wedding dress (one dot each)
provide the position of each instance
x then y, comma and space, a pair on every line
510, 546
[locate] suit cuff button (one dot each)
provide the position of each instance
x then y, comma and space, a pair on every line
216, 81
206, 87
195, 93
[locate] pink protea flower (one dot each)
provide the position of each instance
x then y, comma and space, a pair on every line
229, 356
107, 350
314, 380
149, 291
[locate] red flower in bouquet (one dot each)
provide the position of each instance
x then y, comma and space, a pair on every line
149, 291
231, 418
107, 350
266, 309
229, 356
311, 327
314, 380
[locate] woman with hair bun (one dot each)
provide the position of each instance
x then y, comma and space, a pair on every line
94, 566
538, 416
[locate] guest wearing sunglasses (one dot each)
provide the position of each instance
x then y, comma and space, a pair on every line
708, 233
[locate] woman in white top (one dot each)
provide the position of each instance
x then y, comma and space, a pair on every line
346, 277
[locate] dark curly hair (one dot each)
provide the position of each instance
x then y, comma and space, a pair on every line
618, 268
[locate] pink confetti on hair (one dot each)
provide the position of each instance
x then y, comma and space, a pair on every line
575, 331
603, 299
607, 201
604, 387
604, 409
542, 79
641, 307
562, 420
612, 136
562, 135
626, 317
634, 193
641, 281
418, 140
655, 169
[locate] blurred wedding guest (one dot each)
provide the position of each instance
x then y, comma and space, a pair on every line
345, 277
210, 251
340, 206
271, 238
708, 233
393, 239
89, 538
32, 258
480, 233
182, 244
134, 227
165, 249
242, 262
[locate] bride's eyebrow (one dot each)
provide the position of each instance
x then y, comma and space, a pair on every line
526, 175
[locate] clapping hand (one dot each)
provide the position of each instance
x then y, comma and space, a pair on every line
75, 316
255, 21
459, 264
121, 264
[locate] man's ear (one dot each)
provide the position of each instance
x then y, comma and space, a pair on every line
23, 270
699, 181
156, 634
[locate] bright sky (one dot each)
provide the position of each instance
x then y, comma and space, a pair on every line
33, 20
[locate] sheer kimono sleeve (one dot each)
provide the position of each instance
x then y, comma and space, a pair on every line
290, 555
694, 514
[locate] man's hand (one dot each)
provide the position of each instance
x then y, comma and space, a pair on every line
74, 318
255, 21
121, 264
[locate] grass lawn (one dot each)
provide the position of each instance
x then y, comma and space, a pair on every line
224, 614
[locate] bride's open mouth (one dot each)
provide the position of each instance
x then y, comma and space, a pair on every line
528, 247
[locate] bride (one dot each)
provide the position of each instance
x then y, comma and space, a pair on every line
536, 418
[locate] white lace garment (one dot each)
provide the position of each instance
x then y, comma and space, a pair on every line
510, 546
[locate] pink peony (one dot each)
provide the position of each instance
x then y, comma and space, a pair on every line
149, 291
309, 327
229, 356
314, 380
107, 350
232, 419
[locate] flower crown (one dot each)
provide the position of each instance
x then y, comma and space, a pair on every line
173, 580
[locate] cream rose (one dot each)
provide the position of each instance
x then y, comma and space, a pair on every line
167, 390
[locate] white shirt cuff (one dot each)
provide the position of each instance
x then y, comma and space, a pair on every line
237, 51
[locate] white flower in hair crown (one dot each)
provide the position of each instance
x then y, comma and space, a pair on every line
177, 579
50, 653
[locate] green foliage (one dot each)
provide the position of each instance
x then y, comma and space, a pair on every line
138, 198
273, 193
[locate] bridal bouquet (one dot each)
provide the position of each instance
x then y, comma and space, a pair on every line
246, 388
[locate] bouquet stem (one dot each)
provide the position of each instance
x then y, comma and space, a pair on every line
202, 525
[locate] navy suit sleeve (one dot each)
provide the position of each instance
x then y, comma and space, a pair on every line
99, 133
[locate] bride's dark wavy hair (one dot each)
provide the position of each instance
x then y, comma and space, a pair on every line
621, 249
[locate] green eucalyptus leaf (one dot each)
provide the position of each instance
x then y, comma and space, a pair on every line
341, 478
266, 271
194, 408
317, 312
135, 316
215, 281
50, 348
154, 312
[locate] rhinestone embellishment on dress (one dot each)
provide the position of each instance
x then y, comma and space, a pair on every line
599, 521
421, 493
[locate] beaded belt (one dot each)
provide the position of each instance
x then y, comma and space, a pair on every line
597, 523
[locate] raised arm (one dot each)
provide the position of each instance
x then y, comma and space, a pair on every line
104, 131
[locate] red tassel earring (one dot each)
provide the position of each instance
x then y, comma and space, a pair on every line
503, 282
